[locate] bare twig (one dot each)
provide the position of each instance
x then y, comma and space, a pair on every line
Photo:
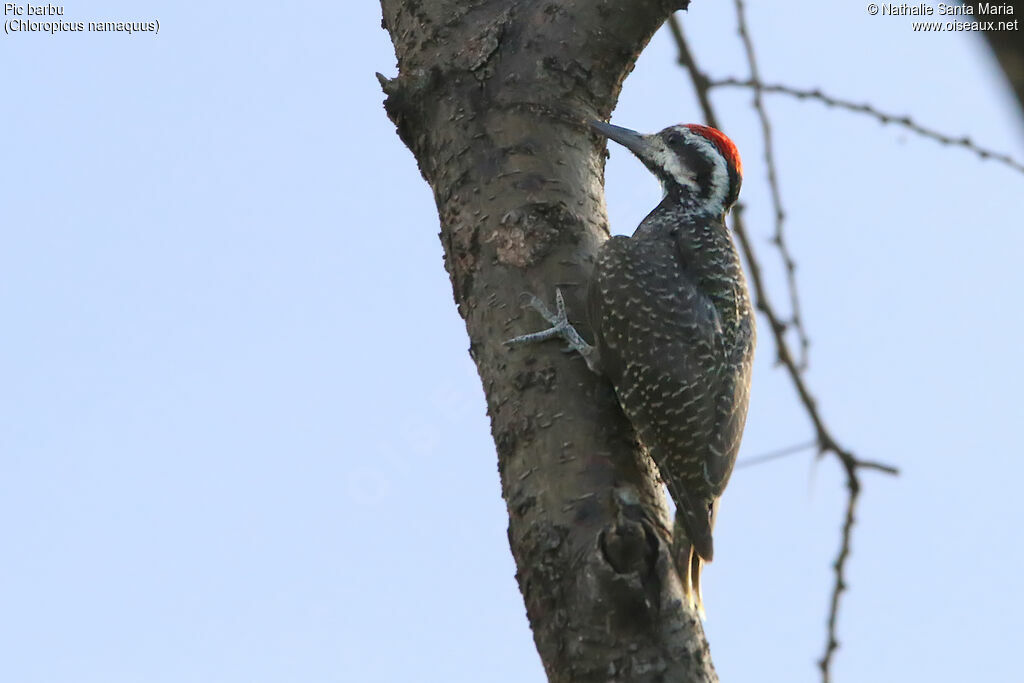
779, 239
879, 466
775, 455
868, 110
839, 566
825, 441
701, 83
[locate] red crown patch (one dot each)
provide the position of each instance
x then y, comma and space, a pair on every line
722, 142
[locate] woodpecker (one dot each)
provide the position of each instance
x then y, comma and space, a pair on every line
674, 328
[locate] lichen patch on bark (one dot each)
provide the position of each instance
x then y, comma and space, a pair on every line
525, 235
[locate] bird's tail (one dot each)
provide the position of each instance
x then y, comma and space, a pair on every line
688, 564
691, 550
697, 521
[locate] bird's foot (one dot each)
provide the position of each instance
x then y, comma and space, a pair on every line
560, 327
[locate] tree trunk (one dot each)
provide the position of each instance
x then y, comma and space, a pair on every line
492, 99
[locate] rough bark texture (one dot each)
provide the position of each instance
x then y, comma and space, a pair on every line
491, 97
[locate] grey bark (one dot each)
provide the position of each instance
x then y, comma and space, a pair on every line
491, 98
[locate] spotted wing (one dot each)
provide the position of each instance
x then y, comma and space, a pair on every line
661, 344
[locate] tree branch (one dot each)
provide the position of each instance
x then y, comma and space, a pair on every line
868, 110
825, 441
778, 239
776, 455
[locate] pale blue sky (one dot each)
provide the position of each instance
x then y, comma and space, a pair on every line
240, 435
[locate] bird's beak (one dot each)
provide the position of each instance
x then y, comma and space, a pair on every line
630, 139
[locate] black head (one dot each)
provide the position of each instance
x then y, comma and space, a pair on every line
697, 165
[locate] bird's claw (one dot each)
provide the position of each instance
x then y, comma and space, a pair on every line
558, 320
560, 327
554, 319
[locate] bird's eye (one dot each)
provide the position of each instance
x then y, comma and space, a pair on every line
674, 138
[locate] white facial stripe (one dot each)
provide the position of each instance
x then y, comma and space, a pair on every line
719, 188
668, 160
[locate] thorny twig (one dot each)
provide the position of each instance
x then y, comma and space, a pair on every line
779, 239
867, 109
825, 441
